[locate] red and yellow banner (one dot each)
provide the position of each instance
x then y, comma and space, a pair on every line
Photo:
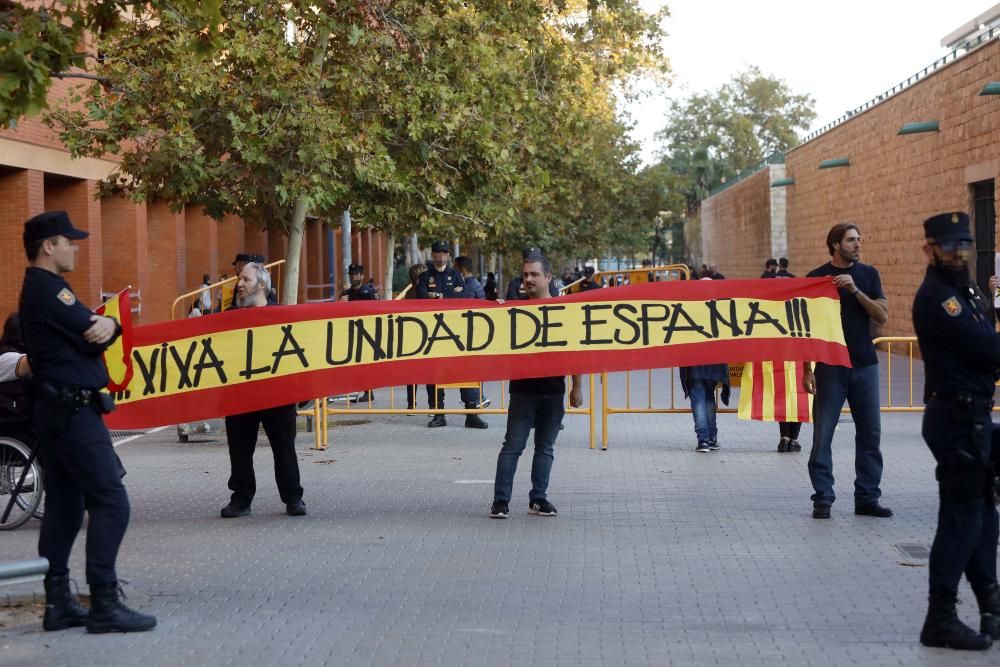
249, 359
118, 357
772, 392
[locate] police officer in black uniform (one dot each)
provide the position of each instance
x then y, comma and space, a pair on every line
359, 289
588, 280
64, 342
961, 353
441, 280
515, 288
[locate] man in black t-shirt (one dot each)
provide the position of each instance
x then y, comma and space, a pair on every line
534, 403
862, 301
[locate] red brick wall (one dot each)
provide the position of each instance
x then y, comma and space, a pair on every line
21, 197
202, 247
166, 258
78, 198
736, 227
230, 241
125, 241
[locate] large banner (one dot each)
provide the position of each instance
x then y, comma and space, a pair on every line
249, 359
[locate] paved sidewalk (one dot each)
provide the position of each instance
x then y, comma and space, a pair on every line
658, 556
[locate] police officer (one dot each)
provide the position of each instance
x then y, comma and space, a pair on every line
442, 281
588, 280
359, 289
961, 353
515, 288
64, 342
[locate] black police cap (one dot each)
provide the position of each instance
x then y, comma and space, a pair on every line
948, 227
588, 271
355, 268
258, 259
530, 251
771, 262
440, 246
49, 224
241, 257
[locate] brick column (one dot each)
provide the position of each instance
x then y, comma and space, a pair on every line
254, 241
77, 198
125, 244
202, 241
166, 257
315, 233
231, 233
21, 197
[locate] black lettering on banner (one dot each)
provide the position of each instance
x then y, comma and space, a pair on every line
207, 353
629, 321
184, 365
758, 316
715, 318
674, 327
148, 372
547, 325
374, 342
589, 323
401, 322
163, 367
448, 335
288, 340
389, 334
645, 319
329, 344
470, 330
514, 312
247, 371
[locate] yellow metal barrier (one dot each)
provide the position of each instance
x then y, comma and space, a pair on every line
588, 409
273, 267
643, 274
910, 342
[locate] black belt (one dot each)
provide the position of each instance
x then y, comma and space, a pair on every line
962, 397
74, 398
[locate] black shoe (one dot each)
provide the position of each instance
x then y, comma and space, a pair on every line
108, 614
794, 446
989, 611
783, 445
474, 421
821, 510
541, 508
295, 508
62, 609
499, 509
436, 421
233, 510
703, 448
942, 628
714, 445
873, 509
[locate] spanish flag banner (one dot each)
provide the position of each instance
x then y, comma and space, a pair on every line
772, 392
254, 358
118, 357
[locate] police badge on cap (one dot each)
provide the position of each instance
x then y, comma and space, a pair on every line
945, 227
440, 246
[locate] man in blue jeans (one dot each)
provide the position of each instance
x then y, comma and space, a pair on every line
534, 403
862, 302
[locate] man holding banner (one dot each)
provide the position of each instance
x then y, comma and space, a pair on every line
65, 342
534, 403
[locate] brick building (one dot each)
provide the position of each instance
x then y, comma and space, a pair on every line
157, 251
866, 171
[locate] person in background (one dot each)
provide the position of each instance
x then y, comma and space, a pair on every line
205, 298
699, 383
770, 269
473, 288
490, 288
588, 280
783, 271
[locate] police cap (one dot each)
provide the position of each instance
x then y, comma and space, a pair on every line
530, 251
588, 271
242, 257
440, 246
258, 259
49, 224
946, 227
355, 268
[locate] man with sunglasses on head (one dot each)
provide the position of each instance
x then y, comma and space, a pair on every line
961, 353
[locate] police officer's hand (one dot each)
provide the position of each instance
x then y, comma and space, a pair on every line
501, 301
994, 283
576, 397
845, 281
809, 382
101, 331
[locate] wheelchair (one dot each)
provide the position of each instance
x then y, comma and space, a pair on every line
15, 454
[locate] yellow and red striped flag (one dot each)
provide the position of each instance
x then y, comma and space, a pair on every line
118, 357
772, 392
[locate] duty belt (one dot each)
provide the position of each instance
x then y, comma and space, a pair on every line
962, 397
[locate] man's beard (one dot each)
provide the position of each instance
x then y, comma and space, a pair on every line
957, 274
244, 299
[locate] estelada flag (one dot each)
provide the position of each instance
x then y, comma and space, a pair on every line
772, 392
118, 357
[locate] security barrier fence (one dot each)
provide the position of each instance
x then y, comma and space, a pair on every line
222, 293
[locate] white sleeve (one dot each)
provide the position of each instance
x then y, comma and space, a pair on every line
8, 365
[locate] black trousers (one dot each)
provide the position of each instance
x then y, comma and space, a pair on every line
241, 434
789, 430
82, 472
967, 531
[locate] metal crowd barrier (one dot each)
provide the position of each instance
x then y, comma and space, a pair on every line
23, 571
189, 297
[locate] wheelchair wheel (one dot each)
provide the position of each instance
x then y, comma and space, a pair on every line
13, 461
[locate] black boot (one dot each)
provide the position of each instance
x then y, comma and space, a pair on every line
108, 614
62, 609
943, 628
474, 421
989, 611
437, 421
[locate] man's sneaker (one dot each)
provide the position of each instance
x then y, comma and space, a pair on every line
234, 510
541, 508
794, 446
703, 448
714, 445
783, 445
499, 510
821, 510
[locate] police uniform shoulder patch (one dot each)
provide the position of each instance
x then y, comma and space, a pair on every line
952, 307
66, 296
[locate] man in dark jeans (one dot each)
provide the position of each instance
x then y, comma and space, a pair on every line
279, 425
862, 302
534, 403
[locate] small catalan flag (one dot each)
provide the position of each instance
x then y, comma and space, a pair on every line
771, 391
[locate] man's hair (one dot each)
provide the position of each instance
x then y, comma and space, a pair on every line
783, 262
538, 259
771, 262
836, 234
32, 248
464, 263
263, 275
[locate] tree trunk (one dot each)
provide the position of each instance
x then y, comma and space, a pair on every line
390, 264
345, 249
415, 249
293, 255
